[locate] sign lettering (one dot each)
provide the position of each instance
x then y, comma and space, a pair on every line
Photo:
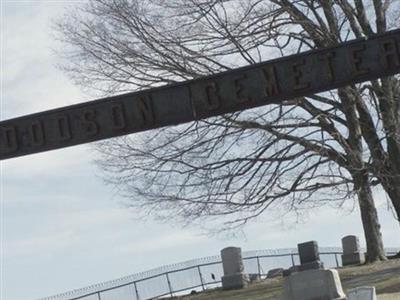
63, 126
213, 99
356, 60
298, 76
89, 122
37, 134
390, 53
9, 139
271, 88
240, 89
327, 59
118, 117
145, 110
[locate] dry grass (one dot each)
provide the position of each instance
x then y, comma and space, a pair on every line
385, 276
395, 296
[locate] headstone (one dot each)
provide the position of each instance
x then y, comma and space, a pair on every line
352, 254
309, 256
275, 273
232, 262
308, 252
313, 284
254, 277
362, 293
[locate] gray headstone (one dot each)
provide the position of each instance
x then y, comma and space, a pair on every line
362, 293
312, 285
352, 254
308, 252
350, 244
254, 277
236, 281
278, 272
232, 263
353, 259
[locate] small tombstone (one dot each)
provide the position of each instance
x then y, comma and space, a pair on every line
232, 263
309, 256
352, 254
362, 293
275, 273
312, 285
254, 277
308, 252
350, 244
309, 280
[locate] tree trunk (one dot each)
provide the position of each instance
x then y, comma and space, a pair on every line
389, 98
369, 216
392, 188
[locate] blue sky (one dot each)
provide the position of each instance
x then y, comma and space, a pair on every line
62, 228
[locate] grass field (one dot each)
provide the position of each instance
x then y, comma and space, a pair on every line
385, 276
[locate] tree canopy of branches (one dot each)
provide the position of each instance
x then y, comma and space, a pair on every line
301, 154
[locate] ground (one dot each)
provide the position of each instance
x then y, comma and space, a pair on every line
385, 276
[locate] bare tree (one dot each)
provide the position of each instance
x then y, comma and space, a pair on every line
304, 153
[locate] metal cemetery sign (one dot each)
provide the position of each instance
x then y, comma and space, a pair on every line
260, 84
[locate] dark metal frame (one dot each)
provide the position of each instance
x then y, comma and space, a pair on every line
251, 86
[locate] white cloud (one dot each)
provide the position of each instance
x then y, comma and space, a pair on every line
40, 244
167, 241
63, 162
28, 61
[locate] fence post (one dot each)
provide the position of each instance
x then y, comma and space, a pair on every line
258, 266
201, 278
337, 261
136, 291
98, 295
169, 285
293, 263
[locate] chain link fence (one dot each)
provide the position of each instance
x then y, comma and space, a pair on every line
198, 275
